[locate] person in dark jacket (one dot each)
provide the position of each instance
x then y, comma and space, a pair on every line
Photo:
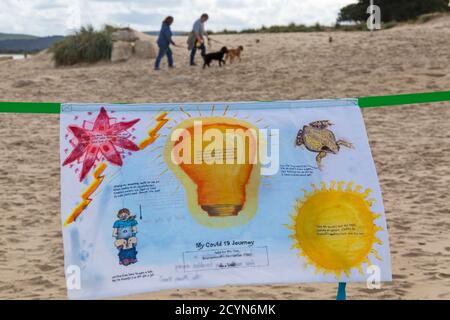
196, 39
164, 42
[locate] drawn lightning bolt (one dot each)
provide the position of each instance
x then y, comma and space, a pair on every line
153, 133
86, 195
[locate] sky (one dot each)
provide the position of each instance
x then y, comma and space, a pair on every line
61, 17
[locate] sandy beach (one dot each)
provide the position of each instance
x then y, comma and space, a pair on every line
410, 145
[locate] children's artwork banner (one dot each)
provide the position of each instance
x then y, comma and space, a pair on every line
164, 196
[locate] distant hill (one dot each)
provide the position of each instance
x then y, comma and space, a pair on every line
20, 43
175, 33
33, 44
10, 36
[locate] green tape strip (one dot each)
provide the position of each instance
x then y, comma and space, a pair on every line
30, 107
364, 102
401, 99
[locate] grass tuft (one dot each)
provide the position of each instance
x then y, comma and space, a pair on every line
85, 46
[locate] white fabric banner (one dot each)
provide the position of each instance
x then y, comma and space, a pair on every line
163, 196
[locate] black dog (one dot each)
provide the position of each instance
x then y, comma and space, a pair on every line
215, 56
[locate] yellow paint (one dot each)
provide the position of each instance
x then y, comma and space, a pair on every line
86, 195
334, 228
153, 133
218, 195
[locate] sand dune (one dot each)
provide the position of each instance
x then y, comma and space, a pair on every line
410, 144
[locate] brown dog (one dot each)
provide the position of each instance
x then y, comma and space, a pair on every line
234, 53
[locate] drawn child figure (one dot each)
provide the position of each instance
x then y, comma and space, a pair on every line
125, 230
127, 251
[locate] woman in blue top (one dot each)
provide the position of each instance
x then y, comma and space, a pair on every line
164, 42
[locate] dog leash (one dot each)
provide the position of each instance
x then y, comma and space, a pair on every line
219, 42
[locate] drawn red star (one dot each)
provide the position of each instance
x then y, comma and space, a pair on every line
103, 138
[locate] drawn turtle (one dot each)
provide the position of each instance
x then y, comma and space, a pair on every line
317, 138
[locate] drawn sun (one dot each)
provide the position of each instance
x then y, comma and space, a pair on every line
334, 228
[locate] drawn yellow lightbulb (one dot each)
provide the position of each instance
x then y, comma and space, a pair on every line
220, 187
221, 174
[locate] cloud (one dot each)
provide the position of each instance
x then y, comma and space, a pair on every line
48, 17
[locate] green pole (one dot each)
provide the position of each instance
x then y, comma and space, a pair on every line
341, 294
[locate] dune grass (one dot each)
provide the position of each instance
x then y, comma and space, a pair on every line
85, 46
292, 27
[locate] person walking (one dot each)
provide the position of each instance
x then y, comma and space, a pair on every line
196, 39
164, 42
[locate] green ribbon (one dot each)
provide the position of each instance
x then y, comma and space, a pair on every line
402, 99
29, 107
363, 102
